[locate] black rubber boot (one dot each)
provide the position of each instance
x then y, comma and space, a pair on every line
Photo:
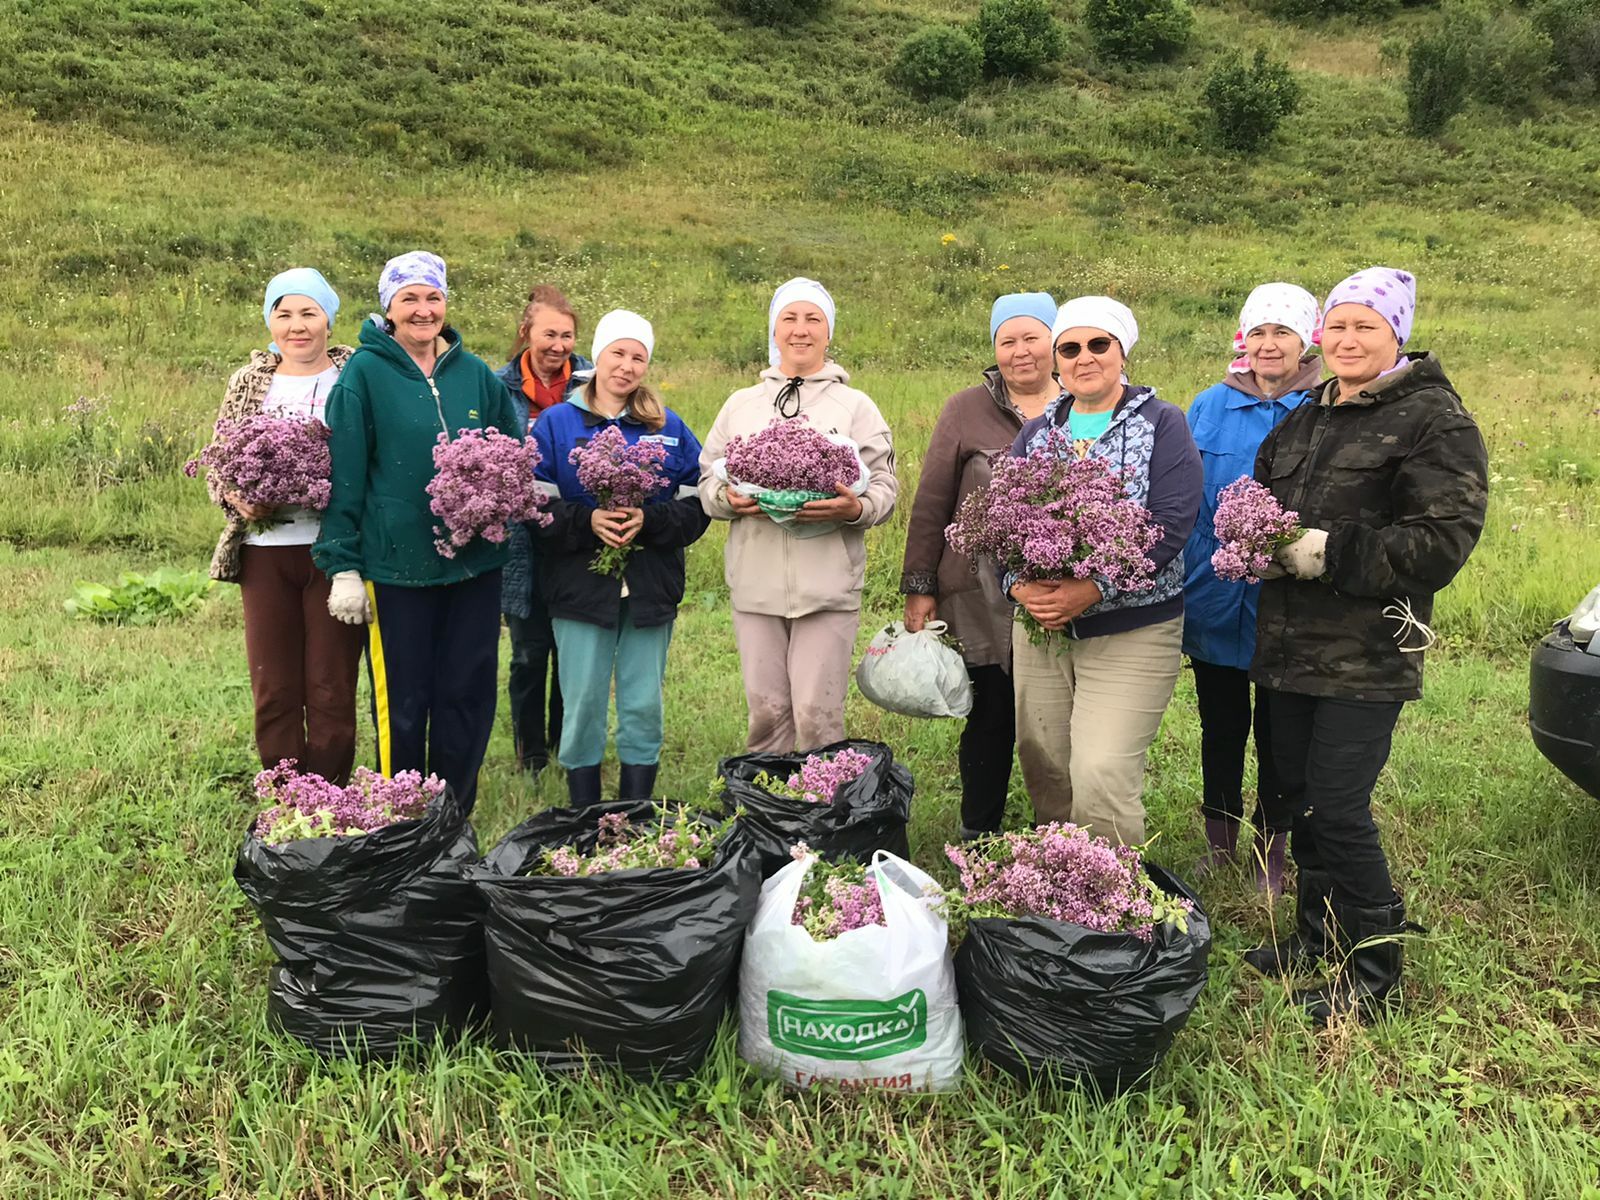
583, 786
637, 782
1370, 944
1307, 944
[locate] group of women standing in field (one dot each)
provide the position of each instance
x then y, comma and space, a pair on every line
1381, 461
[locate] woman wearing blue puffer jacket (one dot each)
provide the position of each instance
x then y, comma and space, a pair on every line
1229, 420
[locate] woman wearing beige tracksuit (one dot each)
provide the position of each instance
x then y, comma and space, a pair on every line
797, 600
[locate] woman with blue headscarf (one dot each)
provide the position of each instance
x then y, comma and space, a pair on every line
974, 426
303, 662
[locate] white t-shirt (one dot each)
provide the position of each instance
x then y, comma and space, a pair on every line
304, 397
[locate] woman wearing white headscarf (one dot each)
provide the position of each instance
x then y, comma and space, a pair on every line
303, 663
1090, 698
797, 601
1274, 375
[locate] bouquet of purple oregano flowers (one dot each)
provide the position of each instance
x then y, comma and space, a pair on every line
618, 475
1059, 871
483, 480
835, 898
1251, 525
819, 778
1051, 515
308, 806
789, 464
270, 461
676, 839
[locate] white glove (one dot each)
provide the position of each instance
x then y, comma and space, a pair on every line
1307, 556
1584, 622
347, 599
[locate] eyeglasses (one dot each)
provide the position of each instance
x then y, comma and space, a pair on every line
1071, 350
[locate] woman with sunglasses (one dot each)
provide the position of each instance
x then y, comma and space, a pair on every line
1272, 376
1090, 697
797, 599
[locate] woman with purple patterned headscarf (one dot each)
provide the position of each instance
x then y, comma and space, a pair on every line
1389, 476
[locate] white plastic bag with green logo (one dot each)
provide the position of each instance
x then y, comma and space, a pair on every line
871, 1008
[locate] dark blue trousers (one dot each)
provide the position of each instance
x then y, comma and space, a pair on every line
433, 655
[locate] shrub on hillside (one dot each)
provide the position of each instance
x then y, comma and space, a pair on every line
1573, 27
1436, 82
1306, 10
776, 12
1017, 37
940, 60
1247, 103
1129, 31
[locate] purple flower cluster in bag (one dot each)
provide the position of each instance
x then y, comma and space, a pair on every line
482, 481
836, 898
274, 461
1052, 515
789, 455
819, 778
1059, 871
675, 840
618, 475
1250, 524
308, 806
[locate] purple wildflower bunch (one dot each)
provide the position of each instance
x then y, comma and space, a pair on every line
1052, 515
305, 805
676, 839
482, 481
820, 776
1060, 872
836, 898
1250, 524
272, 461
792, 456
618, 475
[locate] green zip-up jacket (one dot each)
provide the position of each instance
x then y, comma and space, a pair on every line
386, 417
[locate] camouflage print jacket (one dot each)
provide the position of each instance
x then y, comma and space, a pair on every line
246, 392
1399, 478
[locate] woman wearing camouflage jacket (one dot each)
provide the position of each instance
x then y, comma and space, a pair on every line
1390, 477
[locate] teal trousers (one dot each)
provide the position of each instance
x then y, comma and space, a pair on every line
589, 658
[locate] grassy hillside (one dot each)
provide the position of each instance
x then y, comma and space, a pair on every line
160, 159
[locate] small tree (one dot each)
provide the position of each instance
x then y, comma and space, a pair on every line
1017, 37
1436, 82
1138, 30
940, 60
1573, 27
1248, 103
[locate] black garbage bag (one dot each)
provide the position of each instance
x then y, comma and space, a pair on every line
1101, 1009
869, 813
634, 968
379, 938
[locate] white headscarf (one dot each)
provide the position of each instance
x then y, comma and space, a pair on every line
1097, 312
620, 324
1282, 304
797, 289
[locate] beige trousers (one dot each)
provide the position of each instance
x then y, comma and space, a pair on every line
796, 670
1087, 712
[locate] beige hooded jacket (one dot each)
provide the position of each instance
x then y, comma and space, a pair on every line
771, 572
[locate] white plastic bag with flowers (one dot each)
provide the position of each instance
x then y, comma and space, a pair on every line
916, 674
873, 1006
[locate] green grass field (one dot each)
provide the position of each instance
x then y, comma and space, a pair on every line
156, 169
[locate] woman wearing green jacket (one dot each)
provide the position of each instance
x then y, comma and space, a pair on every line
433, 623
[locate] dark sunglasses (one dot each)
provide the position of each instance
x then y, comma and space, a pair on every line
1071, 350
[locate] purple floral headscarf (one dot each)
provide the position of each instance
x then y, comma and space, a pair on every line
415, 266
1391, 293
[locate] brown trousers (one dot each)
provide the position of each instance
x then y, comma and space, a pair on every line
303, 663
796, 671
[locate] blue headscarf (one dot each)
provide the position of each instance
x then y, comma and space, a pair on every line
299, 281
1038, 305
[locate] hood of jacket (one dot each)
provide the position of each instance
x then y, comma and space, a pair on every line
1304, 379
380, 341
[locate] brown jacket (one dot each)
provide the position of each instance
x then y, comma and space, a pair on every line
974, 425
245, 393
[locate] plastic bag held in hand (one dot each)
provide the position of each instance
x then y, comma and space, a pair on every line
1584, 622
875, 1006
915, 674
347, 599
1307, 556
